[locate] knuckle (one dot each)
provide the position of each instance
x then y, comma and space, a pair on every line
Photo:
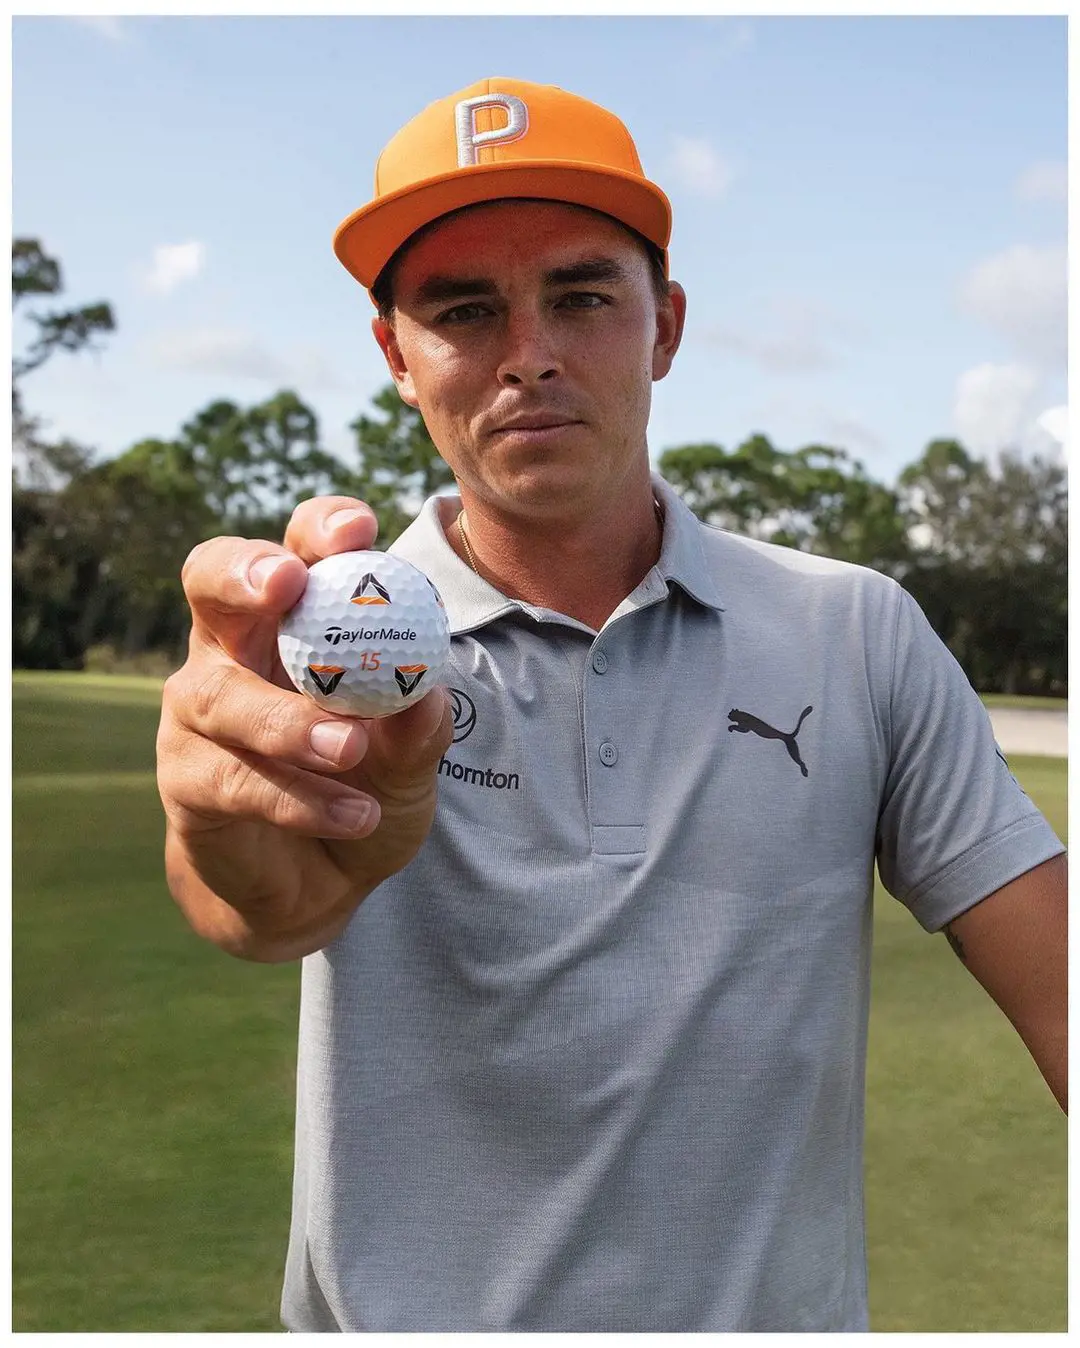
193, 559
231, 781
172, 701
208, 690
169, 690
209, 556
306, 511
288, 808
239, 787
173, 742
272, 725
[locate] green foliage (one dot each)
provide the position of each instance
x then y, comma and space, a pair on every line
254, 464
33, 272
982, 548
399, 466
816, 498
98, 547
990, 563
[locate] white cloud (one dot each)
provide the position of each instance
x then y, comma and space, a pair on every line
173, 264
107, 26
776, 353
698, 167
1049, 436
1048, 180
1023, 294
1055, 422
238, 354
224, 351
993, 408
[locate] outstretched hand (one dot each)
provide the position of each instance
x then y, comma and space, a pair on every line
282, 817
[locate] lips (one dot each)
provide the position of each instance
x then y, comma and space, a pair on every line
535, 422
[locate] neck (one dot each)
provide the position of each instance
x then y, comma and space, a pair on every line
582, 567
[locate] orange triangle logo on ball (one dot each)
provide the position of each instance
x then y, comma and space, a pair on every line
370, 591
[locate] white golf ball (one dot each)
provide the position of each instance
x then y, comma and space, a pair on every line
368, 637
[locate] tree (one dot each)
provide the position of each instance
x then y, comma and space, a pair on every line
48, 565
136, 518
816, 499
34, 272
289, 464
254, 464
990, 550
399, 466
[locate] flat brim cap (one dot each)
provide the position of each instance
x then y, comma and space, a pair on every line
500, 138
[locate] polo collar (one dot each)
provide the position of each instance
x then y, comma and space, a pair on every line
682, 557
471, 602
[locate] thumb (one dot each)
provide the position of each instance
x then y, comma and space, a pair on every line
408, 745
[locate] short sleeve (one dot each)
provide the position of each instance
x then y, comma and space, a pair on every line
954, 825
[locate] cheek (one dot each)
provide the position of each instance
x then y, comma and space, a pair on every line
622, 354
449, 371
623, 374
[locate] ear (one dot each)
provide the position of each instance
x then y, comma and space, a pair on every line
670, 320
386, 336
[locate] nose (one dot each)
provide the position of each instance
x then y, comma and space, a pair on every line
530, 356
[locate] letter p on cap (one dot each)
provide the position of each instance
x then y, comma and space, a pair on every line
470, 141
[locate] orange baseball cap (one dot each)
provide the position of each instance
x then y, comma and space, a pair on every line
500, 138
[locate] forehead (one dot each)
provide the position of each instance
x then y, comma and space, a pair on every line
524, 234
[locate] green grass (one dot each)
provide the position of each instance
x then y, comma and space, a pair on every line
965, 1148
1025, 703
154, 1078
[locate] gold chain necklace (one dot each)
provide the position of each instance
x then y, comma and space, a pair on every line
460, 521
465, 540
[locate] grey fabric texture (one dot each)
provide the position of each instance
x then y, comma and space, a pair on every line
595, 1060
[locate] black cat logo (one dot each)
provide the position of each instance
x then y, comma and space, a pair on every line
745, 723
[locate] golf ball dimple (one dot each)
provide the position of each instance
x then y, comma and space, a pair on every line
369, 636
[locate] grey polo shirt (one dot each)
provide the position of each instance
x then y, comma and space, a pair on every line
595, 1059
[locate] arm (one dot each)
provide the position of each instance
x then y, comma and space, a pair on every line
1015, 944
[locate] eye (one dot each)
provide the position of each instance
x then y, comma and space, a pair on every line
463, 313
583, 299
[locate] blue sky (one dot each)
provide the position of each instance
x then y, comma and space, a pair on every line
870, 213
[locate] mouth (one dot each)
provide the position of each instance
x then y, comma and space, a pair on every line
536, 426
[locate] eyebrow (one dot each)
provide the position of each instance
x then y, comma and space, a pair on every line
438, 289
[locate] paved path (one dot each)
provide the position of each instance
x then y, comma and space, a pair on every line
1030, 732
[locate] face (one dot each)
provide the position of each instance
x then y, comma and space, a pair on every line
528, 334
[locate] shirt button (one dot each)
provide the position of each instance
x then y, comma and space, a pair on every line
599, 662
608, 754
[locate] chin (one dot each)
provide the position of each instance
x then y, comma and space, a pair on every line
549, 488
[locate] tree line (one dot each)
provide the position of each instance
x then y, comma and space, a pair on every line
98, 546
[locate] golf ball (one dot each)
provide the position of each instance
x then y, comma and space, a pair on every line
368, 637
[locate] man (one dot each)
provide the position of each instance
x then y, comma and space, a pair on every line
587, 935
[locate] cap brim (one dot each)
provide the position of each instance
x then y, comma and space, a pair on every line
366, 241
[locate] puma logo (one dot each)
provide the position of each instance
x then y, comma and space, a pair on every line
744, 723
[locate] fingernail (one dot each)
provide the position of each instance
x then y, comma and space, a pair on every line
328, 739
340, 518
260, 571
350, 813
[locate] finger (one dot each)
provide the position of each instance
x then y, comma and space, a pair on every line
228, 704
210, 785
238, 589
326, 525
404, 749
